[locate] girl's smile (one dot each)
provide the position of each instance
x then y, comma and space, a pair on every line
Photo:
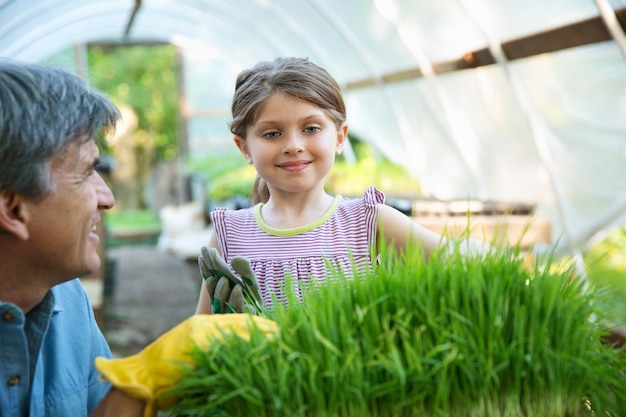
294, 165
292, 144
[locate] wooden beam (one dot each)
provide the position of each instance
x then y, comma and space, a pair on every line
570, 36
581, 33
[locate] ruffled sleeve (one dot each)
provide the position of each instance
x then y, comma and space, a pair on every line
372, 198
219, 228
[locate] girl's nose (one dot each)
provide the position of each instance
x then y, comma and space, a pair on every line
294, 144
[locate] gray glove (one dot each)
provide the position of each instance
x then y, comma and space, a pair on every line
229, 293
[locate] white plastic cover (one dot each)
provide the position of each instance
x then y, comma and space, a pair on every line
548, 130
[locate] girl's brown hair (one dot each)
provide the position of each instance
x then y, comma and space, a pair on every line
297, 77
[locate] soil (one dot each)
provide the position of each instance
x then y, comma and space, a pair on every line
148, 292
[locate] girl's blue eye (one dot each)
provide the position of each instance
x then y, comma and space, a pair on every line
312, 129
272, 135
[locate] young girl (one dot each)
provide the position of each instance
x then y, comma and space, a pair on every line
289, 121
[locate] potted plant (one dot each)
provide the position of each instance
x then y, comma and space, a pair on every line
454, 336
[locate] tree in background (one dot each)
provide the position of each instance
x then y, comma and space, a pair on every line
143, 81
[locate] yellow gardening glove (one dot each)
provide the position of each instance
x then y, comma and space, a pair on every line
152, 372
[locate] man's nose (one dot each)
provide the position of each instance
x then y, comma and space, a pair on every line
106, 200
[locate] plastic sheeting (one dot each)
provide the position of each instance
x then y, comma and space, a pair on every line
548, 130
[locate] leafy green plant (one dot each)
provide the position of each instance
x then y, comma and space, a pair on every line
238, 182
146, 79
606, 268
371, 168
215, 163
131, 220
455, 336
227, 174
131, 227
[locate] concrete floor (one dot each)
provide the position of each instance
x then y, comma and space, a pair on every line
152, 291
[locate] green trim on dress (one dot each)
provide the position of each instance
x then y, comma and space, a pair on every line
296, 230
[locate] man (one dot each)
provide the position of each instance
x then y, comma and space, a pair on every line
52, 353
51, 199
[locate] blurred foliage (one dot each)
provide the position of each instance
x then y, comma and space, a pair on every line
131, 220
228, 174
371, 168
606, 269
146, 79
131, 227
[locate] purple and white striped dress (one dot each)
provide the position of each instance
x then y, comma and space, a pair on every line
343, 235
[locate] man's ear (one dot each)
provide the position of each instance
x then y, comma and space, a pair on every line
12, 215
243, 148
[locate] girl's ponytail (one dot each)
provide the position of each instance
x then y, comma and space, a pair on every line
260, 192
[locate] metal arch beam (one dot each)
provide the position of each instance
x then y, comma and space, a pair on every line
609, 17
187, 12
61, 20
29, 40
26, 14
131, 20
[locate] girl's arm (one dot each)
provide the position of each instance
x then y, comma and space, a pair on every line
399, 231
204, 303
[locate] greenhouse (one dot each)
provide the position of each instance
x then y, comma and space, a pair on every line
481, 100
490, 111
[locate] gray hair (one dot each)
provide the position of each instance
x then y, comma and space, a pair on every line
42, 109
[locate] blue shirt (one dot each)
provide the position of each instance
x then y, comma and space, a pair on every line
47, 356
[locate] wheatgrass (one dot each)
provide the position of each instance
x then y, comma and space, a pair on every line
457, 336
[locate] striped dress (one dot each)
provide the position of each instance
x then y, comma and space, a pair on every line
343, 236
